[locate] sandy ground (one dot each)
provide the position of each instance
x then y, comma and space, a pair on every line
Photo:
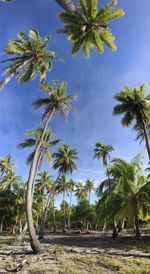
77, 254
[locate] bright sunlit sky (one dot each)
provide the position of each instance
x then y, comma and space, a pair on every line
94, 80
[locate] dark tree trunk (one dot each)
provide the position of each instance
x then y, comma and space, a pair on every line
115, 233
136, 220
67, 5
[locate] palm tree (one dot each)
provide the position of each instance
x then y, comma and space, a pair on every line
6, 165
32, 142
129, 181
30, 58
44, 183
89, 185
102, 151
71, 188
81, 192
135, 107
10, 180
64, 162
87, 26
62, 187
64, 159
56, 102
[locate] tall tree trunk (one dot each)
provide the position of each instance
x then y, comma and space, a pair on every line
34, 242
146, 137
89, 197
136, 220
115, 233
1, 225
69, 210
67, 5
44, 215
19, 238
64, 228
54, 224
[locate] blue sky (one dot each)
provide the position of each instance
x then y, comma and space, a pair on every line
94, 80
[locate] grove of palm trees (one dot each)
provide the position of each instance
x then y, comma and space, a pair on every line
75, 137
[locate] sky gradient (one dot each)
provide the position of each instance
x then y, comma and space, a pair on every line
94, 81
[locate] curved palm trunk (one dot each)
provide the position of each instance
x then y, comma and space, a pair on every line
146, 137
19, 238
67, 5
34, 242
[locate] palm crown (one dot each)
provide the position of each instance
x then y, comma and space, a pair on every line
136, 108
57, 100
47, 144
64, 159
102, 151
31, 57
88, 26
133, 104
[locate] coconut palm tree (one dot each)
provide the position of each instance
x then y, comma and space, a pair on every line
43, 187
56, 102
32, 142
89, 185
130, 182
62, 187
80, 192
102, 151
64, 159
30, 58
10, 180
87, 26
6, 165
135, 107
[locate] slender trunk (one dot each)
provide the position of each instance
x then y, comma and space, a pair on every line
1, 225
136, 220
64, 229
54, 225
22, 234
146, 137
67, 5
115, 233
87, 225
89, 197
20, 226
69, 210
43, 219
19, 238
34, 242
